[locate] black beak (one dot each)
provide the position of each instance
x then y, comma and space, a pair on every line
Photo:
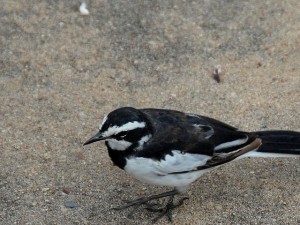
97, 137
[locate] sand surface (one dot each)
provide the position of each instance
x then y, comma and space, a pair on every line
61, 72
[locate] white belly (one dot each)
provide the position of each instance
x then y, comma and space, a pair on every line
160, 172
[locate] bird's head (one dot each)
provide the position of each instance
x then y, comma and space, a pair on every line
123, 128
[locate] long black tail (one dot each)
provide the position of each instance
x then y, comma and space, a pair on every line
278, 143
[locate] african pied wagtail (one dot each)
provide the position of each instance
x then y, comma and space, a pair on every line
172, 148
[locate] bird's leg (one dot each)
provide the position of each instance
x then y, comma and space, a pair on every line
143, 200
166, 210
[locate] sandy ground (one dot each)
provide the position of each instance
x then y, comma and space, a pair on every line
61, 72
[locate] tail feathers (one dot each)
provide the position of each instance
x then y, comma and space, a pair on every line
278, 144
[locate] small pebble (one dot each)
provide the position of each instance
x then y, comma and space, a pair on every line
217, 73
71, 204
259, 64
66, 190
83, 10
45, 189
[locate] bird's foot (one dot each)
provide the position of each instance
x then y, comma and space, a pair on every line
154, 207
167, 210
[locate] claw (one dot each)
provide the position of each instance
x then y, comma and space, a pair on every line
152, 207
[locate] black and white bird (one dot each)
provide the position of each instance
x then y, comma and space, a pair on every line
172, 148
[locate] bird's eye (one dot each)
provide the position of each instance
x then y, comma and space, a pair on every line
122, 134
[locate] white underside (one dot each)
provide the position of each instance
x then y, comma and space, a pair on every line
158, 172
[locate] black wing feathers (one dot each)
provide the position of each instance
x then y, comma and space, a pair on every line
190, 133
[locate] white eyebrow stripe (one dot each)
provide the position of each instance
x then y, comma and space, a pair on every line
126, 127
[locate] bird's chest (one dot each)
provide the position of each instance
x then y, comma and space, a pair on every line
176, 170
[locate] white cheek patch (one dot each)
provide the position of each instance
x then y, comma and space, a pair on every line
119, 145
126, 127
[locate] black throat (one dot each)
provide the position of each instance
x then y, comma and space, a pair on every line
119, 157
